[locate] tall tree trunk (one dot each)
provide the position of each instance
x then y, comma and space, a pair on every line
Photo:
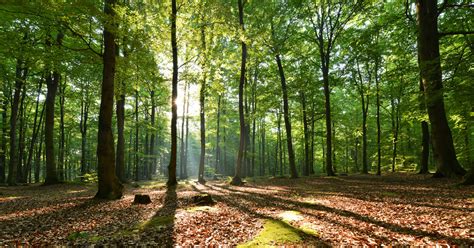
425, 135
182, 159
39, 150
83, 129
151, 150
186, 151
431, 74
262, 160
279, 141
313, 120
36, 127
237, 180
174, 95
120, 112
20, 77
364, 100
306, 164
3, 145
202, 99
137, 167
286, 117
61, 171
217, 166
327, 107
21, 138
52, 82
109, 185
395, 130
377, 89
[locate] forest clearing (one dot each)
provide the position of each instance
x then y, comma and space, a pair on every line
395, 209
242, 123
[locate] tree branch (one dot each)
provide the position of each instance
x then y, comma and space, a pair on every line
442, 34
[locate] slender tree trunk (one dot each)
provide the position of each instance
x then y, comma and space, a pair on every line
263, 150
218, 149
39, 151
186, 151
21, 138
182, 162
202, 99
174, 95
151, 150
379, 158
83, 129
431, 74
425, 136
306, 164
36, 127
62, 142
120, 112
20, 77
3, 145
237, 180
109, 185
286, 117
313, 120
327, 106
137, 167
280, 145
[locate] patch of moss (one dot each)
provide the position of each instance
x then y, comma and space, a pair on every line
276, 232
78, 235
389, 194
289, 216
201, 209
156, 222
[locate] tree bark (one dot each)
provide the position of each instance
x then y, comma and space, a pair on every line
21, 138
286, 117
137, 168
20, 77
306, 164
237, 180
120, 112
182, 157
151, 150
202, 99
109, 185
61, 169
36, 126
218, 149
377, 89
83, 129
3, 145
431, 75
174, 95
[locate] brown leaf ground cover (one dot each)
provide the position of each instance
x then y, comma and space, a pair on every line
396, 209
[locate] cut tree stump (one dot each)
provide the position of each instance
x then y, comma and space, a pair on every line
203, 200
142, 199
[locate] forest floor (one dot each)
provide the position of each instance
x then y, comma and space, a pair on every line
394, 209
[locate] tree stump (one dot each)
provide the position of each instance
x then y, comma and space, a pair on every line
142, 199
203, 200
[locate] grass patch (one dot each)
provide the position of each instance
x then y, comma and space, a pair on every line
277, 232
